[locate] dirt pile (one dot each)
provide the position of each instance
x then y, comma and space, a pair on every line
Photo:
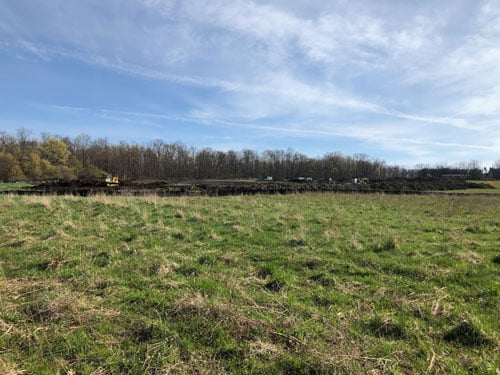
248, 187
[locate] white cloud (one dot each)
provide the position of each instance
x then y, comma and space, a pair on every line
487, 104
334, 69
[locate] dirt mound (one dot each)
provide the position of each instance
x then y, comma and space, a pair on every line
419, 184
247, 187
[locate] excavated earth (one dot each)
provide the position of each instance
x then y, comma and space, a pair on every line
247, 187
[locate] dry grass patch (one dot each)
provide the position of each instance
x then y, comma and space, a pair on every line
179, 214
196, 364
69, 225
194, 306
470, 257
21, 287
8, 329
214, 236
166, 268
331, 234
47, 308
43, 301
238, 228
61, 234
196, 216
266, 349
230, 258
189, 302
355, 244
10, 369
152, 199
7, 201
280, 221
109, 200
434, 305
322, 218
39, 200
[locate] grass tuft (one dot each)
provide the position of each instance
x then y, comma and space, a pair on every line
297, 242
386, 245
312, 263
275, 285
385, 327
467, 334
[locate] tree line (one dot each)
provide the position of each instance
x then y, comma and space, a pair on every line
24, 158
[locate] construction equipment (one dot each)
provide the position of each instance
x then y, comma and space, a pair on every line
111, 180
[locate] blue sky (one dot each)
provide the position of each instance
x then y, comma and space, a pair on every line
409, 82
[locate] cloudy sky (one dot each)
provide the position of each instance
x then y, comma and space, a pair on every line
405, 81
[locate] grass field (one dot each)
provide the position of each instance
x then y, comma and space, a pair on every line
312, 284
12, 186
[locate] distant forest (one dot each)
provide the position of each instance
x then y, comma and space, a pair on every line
24, 158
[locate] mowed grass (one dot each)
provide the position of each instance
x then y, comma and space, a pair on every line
312, 284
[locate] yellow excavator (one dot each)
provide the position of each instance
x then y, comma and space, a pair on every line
111, 180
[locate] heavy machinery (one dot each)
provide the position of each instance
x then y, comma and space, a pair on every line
111, 180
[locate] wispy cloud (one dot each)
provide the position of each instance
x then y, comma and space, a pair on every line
420, 78
387, 137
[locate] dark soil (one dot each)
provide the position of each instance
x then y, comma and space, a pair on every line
247, 187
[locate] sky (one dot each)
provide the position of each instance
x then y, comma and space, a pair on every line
408, 82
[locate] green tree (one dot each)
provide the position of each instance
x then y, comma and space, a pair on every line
55, 151
9, 168
32, 166
56, 172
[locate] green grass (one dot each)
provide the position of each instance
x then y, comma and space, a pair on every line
313, 283
12, 186
494, 183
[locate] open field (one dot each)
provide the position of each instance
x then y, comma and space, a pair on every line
309, 283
